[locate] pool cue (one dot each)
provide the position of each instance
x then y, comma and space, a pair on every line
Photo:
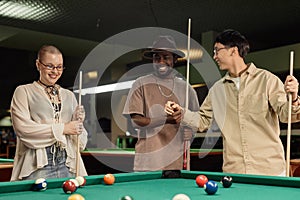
288, 141
78, 145
186, 146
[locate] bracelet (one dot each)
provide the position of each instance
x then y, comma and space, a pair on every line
295, 99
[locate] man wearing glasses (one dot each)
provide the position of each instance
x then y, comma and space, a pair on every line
160, 139
47, 120
247, 104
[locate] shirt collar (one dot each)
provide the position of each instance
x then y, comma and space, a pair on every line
251, 71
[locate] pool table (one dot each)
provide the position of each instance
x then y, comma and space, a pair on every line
150, 185
101, 161
6, 166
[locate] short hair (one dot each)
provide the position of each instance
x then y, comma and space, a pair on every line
47, 49
232, 38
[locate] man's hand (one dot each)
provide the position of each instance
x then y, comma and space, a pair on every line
291, 86
172, 107
175, 118
174, 112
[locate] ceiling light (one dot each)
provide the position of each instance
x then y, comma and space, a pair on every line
92, 75
195, 54
28, 11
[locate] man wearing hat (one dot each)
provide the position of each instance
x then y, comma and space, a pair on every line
160, 139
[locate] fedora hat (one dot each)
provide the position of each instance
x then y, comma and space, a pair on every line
163, 43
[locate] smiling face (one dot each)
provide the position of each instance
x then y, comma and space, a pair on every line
223, 56
163, 63
50, 76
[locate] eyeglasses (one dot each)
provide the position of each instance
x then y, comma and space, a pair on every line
157, 57
52, 67
216, 50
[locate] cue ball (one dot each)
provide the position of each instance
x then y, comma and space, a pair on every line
109, 179
75, 182
40, 184
201, 180
211, 187
81, 180
226, 181
76, 197
69, 187
126, 198
181, 197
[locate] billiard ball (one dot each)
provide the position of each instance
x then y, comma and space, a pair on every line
181, 197
76, 197
109, 179
226, 181
126, 198
201, 180
75, 182
81, 180
211, 187
40, 184
69, 187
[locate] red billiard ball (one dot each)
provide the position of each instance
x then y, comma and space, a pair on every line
226, 181
201, 180
69, 187
109, 179
81, 180
211, 187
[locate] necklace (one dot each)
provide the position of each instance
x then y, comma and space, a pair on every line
161, 92
52, 89
53, 93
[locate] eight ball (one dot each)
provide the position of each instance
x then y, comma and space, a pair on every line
126, 198
226, 181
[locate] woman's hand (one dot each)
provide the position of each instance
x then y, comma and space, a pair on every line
73, 128
79, 113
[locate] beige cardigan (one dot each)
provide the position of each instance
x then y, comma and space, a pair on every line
33, 122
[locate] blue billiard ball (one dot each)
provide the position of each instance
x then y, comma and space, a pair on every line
211, 187
40, 184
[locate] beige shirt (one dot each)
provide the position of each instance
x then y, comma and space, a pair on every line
159, 147
35, 127
249, 121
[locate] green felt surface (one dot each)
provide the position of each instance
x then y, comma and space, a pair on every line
149, 186
5, 160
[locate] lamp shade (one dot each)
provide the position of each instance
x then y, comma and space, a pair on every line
5, 121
